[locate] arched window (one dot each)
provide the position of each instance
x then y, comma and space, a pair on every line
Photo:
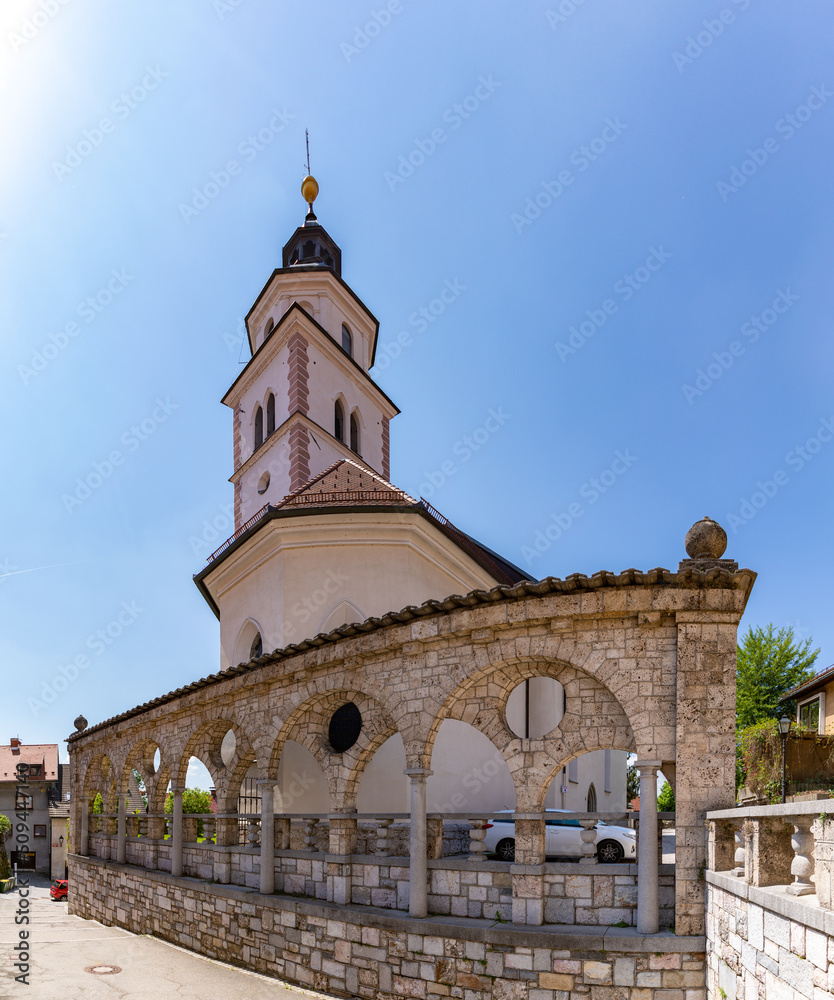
592, 799
257, 647
347, 340
270, 414
270, 326
259, 427
354, 433
339, 430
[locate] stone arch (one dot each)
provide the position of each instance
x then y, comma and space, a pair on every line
141, 758
205, 744
308, 726
481, 700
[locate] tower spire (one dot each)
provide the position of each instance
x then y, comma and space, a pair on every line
309, 187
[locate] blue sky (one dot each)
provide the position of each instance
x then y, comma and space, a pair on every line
631, 202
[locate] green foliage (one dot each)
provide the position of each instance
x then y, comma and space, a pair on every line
666, 799
769, 663
632, 784
194, 800
98, 805
759, 759
5, 830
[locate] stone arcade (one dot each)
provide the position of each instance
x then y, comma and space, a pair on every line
366, 891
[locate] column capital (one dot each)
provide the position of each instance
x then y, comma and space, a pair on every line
263, 782
177, 791
645, 766
418, 772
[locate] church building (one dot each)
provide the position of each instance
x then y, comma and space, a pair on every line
322, 539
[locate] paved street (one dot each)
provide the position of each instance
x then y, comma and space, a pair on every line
64, 946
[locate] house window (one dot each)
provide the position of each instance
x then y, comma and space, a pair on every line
259, 427
270, 414
592, 799
23, 802
347, 340
809, 716
339, 421
40, 829
354, 433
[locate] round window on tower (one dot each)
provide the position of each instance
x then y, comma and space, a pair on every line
345, 727
263, 483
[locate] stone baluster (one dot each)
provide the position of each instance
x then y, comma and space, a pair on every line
588, 837
209, 829
383, 847
434, 837
802, 866
477, 832
253, 832
739, 857
310, 832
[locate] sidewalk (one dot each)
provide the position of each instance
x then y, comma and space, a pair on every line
63, 946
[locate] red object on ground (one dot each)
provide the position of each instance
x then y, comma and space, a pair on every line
58, 889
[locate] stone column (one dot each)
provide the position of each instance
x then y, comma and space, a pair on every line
417, 884
176, 832
121, 833
267, 786
84, 845
648, 919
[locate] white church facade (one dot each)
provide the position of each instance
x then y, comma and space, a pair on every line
322, 538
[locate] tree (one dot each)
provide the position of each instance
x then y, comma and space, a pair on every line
666, 799
769, 663
632, 784
5, 830
194, 800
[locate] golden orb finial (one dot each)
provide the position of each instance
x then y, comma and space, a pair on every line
309, 190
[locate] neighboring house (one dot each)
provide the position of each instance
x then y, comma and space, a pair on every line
324, 539
814, 702
41, 794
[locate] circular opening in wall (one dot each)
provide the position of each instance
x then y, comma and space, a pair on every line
263, 483
345, 727
535, 707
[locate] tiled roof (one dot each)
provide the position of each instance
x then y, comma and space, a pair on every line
33, 753
819, 680
347, 483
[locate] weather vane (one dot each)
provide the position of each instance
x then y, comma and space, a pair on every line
309, 186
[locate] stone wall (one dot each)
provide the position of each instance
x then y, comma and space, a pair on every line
764, 944
360, 952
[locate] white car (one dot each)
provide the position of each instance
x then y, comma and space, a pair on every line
563, 840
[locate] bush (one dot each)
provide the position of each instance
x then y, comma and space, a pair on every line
666, 799
5, 830
759, 759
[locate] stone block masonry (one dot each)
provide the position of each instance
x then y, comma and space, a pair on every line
362, 952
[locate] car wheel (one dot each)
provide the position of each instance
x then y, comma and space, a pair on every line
506, 850
609, 852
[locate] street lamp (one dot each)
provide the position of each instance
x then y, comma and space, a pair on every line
784, 729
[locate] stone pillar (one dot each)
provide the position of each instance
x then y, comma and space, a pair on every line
176, 832
418, 878
704, 728
769, 854
267, 786
121, 832
529, 838
84, 844
721, 848
341, 846
648, 920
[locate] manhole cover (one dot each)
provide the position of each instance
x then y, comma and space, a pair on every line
102, 970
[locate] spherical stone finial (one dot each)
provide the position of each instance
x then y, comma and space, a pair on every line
80, 723
706, 539
309, 189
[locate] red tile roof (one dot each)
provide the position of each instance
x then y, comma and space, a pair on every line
33, 753
346, 482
